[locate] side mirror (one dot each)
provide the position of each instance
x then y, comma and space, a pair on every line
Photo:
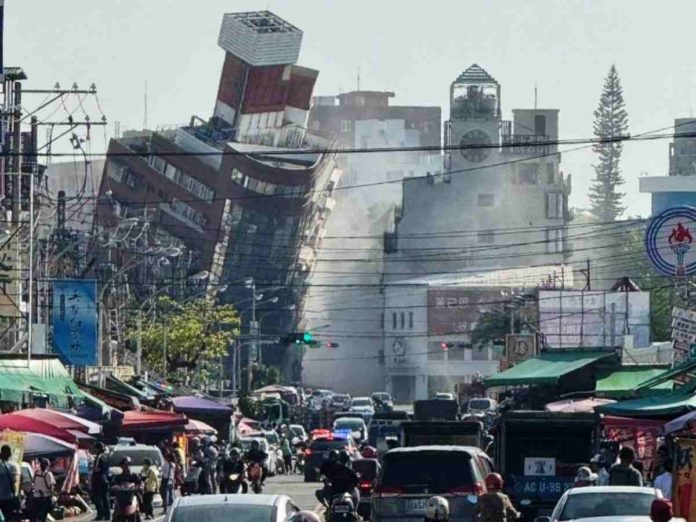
542, 519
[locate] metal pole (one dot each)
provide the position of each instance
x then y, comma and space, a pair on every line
612, 324
164, 361
139, 353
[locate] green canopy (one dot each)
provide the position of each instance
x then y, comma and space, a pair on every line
548, 368
20, 381
670, 404
625, 382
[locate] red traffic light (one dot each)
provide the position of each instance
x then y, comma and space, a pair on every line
332, 345
446, 346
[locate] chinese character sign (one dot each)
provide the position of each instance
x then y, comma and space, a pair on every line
75, 321
685, 475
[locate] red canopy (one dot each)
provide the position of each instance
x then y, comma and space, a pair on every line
152, 420
56, 418
31, 425
627, 422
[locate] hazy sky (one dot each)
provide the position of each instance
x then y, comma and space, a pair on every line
415, 49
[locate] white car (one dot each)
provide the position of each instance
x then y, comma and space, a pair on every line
240, 508
604, 504
363, 406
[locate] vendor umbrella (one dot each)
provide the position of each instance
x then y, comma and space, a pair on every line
680, 423
196, 427
573, 405
39, 446
61, 420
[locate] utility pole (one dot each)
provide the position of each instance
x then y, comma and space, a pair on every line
164, 360
612, 324
139, 348
253, 334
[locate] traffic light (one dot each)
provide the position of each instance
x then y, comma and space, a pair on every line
331, 345
446, 346
305, 338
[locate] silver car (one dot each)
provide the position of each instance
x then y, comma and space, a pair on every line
240, 508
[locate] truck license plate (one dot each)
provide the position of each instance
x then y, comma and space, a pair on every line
417, 505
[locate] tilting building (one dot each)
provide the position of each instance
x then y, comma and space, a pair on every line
244, 194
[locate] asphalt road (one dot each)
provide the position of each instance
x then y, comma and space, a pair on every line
296, 488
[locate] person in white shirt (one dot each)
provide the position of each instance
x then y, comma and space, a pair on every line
43, 490
599, 466
663, 476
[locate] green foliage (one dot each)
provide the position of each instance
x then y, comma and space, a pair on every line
265, 376
196, 332
492, 327
250, 407
611, 120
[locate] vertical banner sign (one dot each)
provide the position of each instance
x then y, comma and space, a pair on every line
75, 321
684, 479
15, 440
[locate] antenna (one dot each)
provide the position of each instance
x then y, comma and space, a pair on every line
535, 96
145, 117
358, 77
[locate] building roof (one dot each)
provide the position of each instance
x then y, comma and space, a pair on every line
528, 276
475, 74
548, 368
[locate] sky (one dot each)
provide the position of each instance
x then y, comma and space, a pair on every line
415, 49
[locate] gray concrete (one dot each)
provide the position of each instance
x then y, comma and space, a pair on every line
295, 487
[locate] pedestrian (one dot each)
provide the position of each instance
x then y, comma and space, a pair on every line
149, 477
494, 505
623, 473
598, 465
167, 482
661, 510
663, 475
585, 477
43, 491
286, 449
9, 496
100, 483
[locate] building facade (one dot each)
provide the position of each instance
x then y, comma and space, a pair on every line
679, 188
241, 194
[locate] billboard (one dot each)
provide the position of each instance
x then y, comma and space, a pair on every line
519, 348
574, 318
456, 310
75, 321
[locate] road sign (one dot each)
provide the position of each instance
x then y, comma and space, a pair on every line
519, 347
669, 240
683, 333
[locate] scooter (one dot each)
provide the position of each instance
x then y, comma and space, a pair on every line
126, 504
255, 473
343, 509
232, 483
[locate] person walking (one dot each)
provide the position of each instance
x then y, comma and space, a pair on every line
43, 490
100, 483
9, 496
623, 473
167, 483
149, 477
286, 449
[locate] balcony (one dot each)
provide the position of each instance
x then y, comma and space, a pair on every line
526, 144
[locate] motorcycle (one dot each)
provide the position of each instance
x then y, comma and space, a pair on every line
255, 473
126, 503
343, 509
232, 483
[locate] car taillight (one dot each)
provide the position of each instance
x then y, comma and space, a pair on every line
307, 452
387, 491
365, 484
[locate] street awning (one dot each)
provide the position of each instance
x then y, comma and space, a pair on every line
196, 427
192, 404
19, 382
61, 420
38, 446
624, 382
576, 405
29, 425
548, 368
140, 421
669, 404
680, 423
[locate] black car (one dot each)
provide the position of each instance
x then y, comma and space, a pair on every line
318, 451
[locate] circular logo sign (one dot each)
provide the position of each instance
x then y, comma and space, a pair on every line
669, 241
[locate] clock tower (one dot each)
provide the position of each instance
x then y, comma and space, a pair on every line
474, 123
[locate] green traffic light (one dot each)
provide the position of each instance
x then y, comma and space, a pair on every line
307, 337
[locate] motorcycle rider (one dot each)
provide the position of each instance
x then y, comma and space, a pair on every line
232, 464
256, 455
494, 505
127, 477
342, 479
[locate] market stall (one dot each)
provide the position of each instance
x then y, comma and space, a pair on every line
207, 410
151, 427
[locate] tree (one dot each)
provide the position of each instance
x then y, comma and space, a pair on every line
492, 327
194, 332
611, 120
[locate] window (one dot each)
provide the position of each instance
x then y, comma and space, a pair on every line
346, 125
403, 320
554, 205
528, 173
485, 200
393, 320
238, 177
360, 101
486, 236
158, 163
554, 240
550, 174
184, 210
426, 127
410, 320
540, 125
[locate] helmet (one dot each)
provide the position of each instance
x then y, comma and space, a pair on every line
333, 456
661, 510
125, 461
304, 516
494, 481
234, 452
437, 508
585, 476
255, 443
343, 457
369, 452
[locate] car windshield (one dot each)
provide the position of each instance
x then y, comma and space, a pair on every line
381, 396
427, 471
353, 424
246, 444
221, 511
137, 456
361, 402
298, 431
609, 504
479, 404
